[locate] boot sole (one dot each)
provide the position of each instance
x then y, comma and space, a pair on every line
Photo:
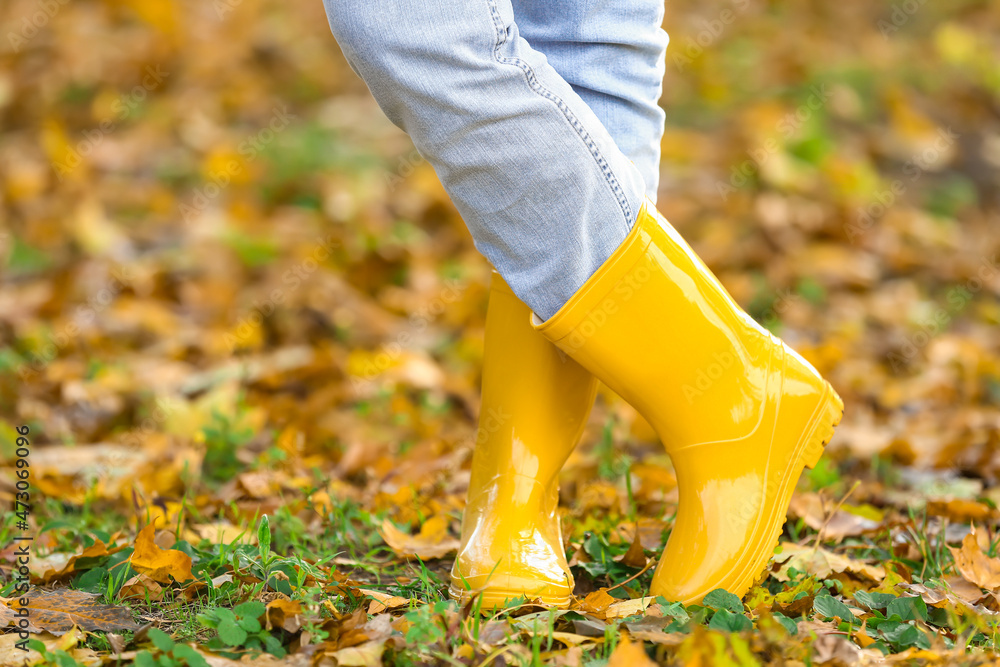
493, 598
815, 437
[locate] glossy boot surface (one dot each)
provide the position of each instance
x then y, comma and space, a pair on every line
740, 413
536, 401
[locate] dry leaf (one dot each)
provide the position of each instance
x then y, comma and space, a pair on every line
596, 603
10, 656
9, 617
57, 611
142, 587
974, 565
383, 601
368, 654
634, 557
95, 550
160, 564
629, 654
285, 614
433, 541
624, 608
821, 563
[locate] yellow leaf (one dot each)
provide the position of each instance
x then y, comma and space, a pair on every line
159, 564
974, 565
433, 540
629, 654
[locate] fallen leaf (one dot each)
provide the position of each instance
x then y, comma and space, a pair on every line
141, 587
831, 649
596, 603
384, 601
961, 510
629, 654
160, 564
821, 563
11, 656
974, 565
862, 637
368, 654
57, 611
95, 550
964, 589
285, 614
433, 541
634, 557
625, 608
9, 616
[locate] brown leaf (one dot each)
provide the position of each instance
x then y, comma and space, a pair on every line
159, 564
862, 637
14, 657
596, 603
117, 643
833, 649
285, 614
95, 550
974, 565
821, 563
383, 601
59, 610
960, 510
433, 540
634, 557
8, 616
626, 608
963, 589
142, 587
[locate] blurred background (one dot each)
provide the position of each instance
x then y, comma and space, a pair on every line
228, 279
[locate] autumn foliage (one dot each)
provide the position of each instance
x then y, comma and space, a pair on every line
243, 324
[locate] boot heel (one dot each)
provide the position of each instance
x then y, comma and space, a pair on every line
827, 418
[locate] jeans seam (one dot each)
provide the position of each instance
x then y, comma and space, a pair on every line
539, 89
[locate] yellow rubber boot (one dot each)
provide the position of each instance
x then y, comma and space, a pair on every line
740, 413
536, 401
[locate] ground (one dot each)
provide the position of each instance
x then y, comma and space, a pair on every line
241, 336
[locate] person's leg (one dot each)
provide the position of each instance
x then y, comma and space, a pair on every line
613, 54
536, 401
546, 193
740, 413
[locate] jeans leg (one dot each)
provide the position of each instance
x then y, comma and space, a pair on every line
545, 191
613, 55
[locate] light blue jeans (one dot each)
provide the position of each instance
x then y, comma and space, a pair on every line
540, 118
